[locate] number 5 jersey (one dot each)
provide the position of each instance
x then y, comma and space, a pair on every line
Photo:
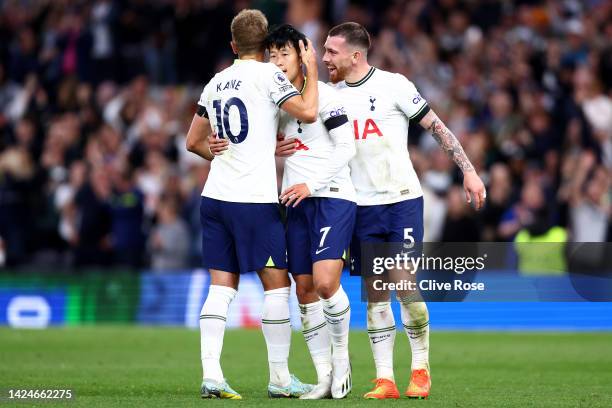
381, 106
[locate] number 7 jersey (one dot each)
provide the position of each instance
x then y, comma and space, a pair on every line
242, 103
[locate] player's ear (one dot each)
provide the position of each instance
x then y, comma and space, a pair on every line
234, 47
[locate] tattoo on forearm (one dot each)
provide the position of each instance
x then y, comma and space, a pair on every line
449, 143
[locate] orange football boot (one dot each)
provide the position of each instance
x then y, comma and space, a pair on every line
420, 384
383, 389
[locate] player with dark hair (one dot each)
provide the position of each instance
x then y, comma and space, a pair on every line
320, 197
389, 195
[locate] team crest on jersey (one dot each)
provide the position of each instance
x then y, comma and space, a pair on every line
372, 100
279, 79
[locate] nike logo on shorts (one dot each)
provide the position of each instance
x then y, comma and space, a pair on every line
318, 251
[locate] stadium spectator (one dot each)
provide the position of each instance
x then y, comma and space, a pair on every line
127, 217
11, 104
104, 17
169, 240
589, 206
540, 246
23, 59
64, 200
524, 212
94, 227
16, 180
460, 224
500, 190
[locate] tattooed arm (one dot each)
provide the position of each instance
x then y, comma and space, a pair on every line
447, 140
449, 143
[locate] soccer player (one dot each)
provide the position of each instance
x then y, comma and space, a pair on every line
389, 196
241, 225
320, 197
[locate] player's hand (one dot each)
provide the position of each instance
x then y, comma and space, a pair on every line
473, 186
285, 147
308, 56
294, 194
217, 145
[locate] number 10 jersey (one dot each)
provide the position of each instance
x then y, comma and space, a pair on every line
242, 103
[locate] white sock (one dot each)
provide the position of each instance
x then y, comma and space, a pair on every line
212, 328
316, 334
381, 330
415, 318
276, 328
337, 312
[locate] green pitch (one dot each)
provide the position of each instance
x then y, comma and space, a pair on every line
117, 366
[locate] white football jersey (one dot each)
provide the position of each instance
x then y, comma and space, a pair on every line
312, 162
381, 106
242, 103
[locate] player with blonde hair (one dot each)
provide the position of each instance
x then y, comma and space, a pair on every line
241, 224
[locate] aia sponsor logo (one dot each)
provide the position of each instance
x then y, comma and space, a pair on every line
300, 145
369, 128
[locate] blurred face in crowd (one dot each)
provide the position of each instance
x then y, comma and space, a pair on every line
287, 59
338, 58
24, 132
500, 185
456, 202
27, 41
78, 173
167, 212
501, 104
597, 187
532, 195
100, 183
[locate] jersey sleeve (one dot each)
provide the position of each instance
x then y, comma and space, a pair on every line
202, 104
334, 117
276, 85
408, 99
331, 109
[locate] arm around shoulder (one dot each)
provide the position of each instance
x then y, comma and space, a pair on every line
304, 107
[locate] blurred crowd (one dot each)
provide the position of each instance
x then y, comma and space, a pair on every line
96, 98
